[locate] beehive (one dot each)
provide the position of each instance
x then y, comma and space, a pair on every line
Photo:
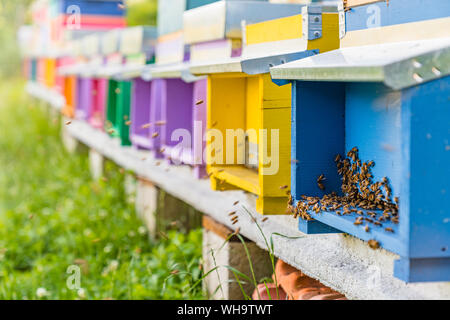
85, 81
385, 92
68, 16
241, 96
137, 49
166, 103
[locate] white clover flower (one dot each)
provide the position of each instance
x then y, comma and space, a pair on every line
108, 248
142, 230
113, 265
41, 292
81, 293
132, 234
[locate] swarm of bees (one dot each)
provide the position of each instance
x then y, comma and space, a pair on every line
371, 201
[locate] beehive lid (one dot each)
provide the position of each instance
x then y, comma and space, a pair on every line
90, 45
398, 65
110, 42
223, 19
272, 42
138, 39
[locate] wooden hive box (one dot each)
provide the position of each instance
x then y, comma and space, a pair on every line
137, 48
242, 98
68, 72
167, 95
90, 50
384, 93
33, 69
171, 96
110, 44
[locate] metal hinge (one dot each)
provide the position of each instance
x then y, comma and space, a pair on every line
312, 22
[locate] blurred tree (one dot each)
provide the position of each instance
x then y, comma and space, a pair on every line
13, 14
141, 12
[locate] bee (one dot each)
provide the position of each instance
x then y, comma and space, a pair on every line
145, 126
111, 131
389, 230
127, 123
160, 123
232, 213
265, 219
234, 222
373, 244
357, 222
337, 158
367, 228
338, 213
68, 122
283, 187
199, 102
154, 135
377, 223
214, 124
396, 200
236, 203
234, 218
162, 150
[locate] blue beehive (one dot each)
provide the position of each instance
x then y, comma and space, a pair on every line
89, 7
387, 93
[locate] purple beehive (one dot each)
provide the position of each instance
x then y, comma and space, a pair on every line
156, 101
140, 114
84, 101
199, 126
176, 113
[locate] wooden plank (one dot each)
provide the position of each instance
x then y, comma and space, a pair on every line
219, 229
274, 30
357, 3
422, 30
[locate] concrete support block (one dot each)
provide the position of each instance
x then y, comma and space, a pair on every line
221, 283
96, 164
130, 187
71, 144
147, 195
160, 211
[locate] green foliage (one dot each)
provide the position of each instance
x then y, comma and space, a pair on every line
13, 14
141, 12
52, 216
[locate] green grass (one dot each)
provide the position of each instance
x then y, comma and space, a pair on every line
53, 216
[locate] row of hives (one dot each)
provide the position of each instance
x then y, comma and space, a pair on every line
335, 112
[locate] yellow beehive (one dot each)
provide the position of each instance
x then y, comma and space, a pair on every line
50, 72
253, 160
